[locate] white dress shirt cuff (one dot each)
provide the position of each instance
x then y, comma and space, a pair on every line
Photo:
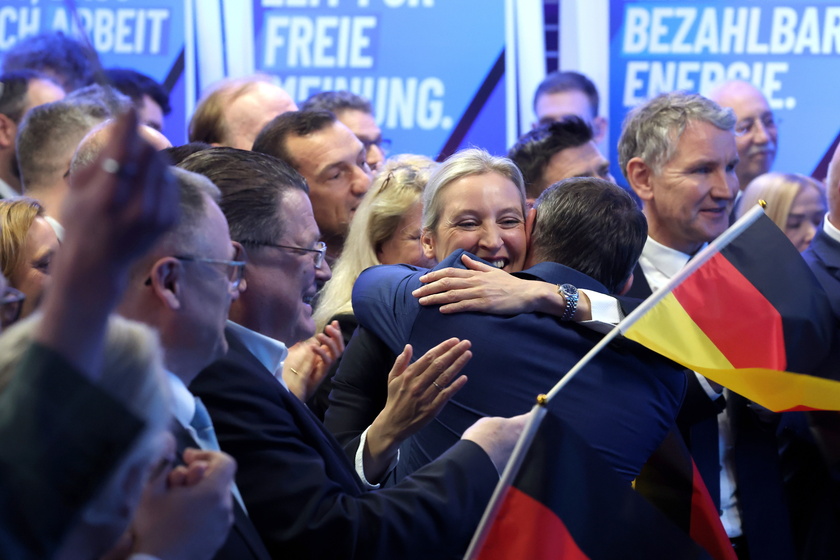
606, 312
360, 461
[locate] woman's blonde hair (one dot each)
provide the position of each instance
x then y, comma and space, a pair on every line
396, 189
16, 217
778, 190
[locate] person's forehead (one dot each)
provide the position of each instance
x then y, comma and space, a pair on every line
296, 215
703, 140
573, 162
745, 101
360, 123
323, 148
42, 91
563, 103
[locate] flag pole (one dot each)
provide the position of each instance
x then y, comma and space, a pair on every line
537, 414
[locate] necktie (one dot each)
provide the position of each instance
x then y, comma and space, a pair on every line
203, 426
206, 438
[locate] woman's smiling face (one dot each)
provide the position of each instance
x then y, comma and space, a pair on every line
482, 214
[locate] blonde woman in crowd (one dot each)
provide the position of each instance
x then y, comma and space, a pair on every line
28, 244
795, 203
385, 230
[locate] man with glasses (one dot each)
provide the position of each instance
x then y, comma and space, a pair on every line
184, 288
756, 134
299, 486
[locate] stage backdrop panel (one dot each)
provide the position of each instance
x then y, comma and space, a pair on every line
146, 35
420, 62
789, 50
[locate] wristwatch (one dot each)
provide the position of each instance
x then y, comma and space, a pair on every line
570, 294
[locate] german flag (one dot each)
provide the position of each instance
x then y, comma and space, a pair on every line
671, 482
566, 502
751, 317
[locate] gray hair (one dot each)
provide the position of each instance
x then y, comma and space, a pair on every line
48, 135
193, 190
462, 164
651, 131
132, 373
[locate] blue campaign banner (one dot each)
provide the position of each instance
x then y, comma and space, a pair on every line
146, 35
789, 50
420, 62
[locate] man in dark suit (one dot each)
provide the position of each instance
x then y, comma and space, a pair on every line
300, 488
183, 288
623, 403
679, 155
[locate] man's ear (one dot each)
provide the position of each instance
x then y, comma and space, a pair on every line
530, 219
599, 129
640, 175
167, 281
8, 130
428, 241
627, 285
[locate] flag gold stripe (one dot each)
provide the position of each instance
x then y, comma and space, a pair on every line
668, 330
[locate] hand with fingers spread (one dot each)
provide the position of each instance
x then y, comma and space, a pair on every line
488, 289
309, 361
416, 393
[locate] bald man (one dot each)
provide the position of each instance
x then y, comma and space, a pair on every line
234, 112
756, 132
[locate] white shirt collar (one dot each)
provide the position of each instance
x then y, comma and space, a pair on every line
183, 402
270, 352
660, 263
831, 230
6, 190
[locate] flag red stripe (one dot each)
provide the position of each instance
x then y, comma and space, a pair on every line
705, 526
509, 540
737, 318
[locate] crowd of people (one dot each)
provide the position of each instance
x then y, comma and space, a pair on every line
281, 341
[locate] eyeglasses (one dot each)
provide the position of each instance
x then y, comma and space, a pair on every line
383, 144
11, 303
747, 126
234, 269
320, 249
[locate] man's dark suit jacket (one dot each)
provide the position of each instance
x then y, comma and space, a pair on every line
302, 492
242, 541
60, 438
623, 402
823, 256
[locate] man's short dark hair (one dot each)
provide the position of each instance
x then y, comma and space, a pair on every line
272, 139
336, 102
592, 226
68, 60
558, 82
253, 186
177, 154
135, 85
14, 90
534, 149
